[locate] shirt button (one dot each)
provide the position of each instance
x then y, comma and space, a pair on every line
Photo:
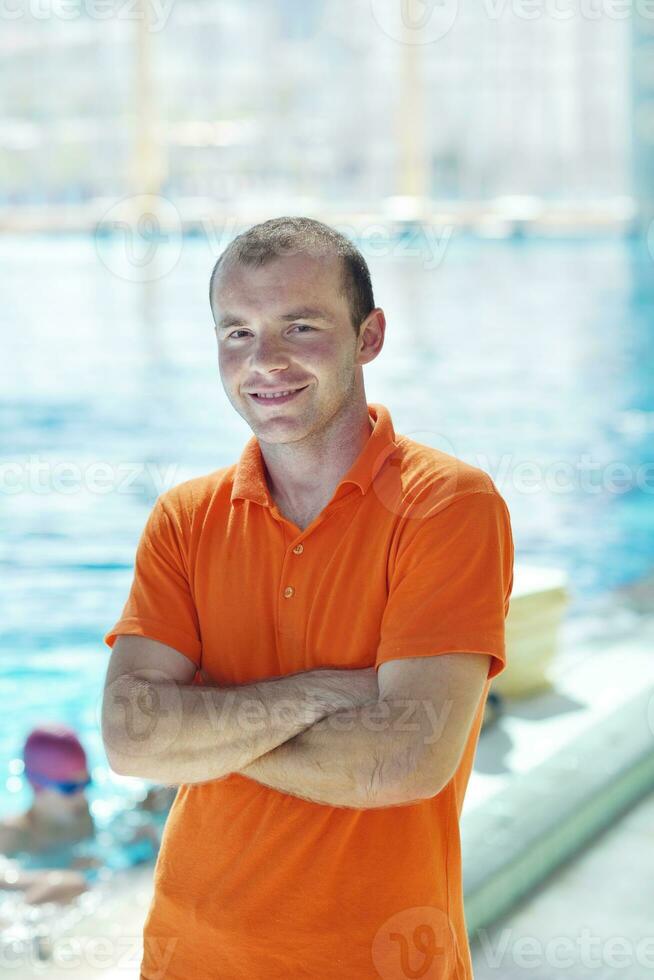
298, 549
289, 591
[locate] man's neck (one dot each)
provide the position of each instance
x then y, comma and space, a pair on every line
302, 477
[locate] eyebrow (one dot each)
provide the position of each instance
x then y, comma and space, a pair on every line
304, 313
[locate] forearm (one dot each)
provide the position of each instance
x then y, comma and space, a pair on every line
174, 733
361, 757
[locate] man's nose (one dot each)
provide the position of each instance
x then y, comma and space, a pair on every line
268, 353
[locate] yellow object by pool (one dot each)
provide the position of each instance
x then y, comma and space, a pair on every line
538, 601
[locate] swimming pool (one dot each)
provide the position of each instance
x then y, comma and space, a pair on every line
530, 359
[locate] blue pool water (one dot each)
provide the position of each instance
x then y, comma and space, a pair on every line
506, 354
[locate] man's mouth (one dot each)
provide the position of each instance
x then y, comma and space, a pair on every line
278, 398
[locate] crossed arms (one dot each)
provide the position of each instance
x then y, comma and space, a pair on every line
354, 738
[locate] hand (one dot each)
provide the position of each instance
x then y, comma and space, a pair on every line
86, 862
55, 886
347, 688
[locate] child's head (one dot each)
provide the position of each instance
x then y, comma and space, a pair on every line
55, 760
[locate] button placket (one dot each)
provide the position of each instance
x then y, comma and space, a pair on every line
289, 591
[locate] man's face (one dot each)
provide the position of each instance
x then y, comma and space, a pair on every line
267, 343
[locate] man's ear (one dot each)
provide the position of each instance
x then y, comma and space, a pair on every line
371, 336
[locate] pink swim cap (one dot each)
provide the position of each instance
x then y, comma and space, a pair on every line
55, 751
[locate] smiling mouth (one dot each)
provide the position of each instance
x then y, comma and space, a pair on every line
279, 399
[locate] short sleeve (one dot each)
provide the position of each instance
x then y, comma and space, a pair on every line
451, 582
160, 604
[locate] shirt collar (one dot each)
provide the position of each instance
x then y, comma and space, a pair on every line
250, 481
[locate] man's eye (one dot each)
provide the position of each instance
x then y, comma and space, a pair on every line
302, 326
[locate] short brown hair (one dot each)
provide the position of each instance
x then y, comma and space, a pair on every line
288, 235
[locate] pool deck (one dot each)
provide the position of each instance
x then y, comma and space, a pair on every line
550, 775
573, 925
560, 767
99, 935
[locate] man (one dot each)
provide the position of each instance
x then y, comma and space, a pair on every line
307, 648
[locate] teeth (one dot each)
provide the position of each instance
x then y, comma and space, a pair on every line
280, 394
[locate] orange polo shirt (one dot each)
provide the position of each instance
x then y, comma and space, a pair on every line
412, 556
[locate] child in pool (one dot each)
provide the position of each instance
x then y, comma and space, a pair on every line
56, 843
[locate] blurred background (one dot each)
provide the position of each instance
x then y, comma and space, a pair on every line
494, 163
